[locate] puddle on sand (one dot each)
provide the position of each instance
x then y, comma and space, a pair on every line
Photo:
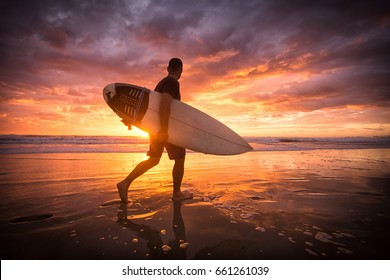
111, 202
30, 219
141, 216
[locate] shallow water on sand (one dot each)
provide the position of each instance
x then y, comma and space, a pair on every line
327, 204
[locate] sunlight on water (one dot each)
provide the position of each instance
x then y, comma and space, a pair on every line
323, 203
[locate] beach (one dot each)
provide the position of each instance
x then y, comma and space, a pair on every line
294, 204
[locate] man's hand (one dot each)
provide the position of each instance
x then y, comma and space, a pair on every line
127, 124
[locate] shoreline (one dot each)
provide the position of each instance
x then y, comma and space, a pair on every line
18, 144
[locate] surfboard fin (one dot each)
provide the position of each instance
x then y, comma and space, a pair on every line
129, 126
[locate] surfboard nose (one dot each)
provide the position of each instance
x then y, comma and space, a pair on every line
109, 92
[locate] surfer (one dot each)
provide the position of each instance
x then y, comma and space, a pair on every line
169, 87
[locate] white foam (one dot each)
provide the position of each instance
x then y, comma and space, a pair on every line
291, 240
323, 237
311, 252
261, 229
248, 215
166, 248
345, 251
326, 238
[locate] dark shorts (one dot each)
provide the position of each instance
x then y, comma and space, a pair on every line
156, 149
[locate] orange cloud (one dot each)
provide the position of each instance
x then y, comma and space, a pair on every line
263, 68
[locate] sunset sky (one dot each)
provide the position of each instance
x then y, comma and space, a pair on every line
264, 68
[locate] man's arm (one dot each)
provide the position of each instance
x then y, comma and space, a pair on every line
165, 110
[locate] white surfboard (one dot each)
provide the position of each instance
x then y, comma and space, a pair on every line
187, 127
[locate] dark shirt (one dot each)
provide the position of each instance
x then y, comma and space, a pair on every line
169, 85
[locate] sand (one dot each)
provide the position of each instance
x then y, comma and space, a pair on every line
321, 204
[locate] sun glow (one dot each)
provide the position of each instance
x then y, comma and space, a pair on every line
139, 133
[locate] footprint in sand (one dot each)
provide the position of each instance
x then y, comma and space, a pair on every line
257, 197
30, 219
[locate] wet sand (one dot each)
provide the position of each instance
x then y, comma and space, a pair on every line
322, 204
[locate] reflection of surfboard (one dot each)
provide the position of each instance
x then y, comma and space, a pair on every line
187, 127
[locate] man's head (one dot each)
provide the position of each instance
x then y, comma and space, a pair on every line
175, 67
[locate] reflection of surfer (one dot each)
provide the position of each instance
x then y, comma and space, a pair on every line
178, 245
176, 249
170, 89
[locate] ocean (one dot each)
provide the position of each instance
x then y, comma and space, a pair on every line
291, 198
42, 144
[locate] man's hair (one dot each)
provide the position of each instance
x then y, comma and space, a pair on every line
175, 64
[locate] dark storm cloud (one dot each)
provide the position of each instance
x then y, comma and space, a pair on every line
165, 27
58, 35
83, 40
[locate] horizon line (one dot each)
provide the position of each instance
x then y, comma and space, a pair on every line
139, 136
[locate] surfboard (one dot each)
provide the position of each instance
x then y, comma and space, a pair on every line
188, 127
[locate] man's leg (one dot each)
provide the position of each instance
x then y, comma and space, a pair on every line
177, 174
179, 155
140, 169
156, 149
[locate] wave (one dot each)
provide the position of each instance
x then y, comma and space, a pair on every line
83, 140
32, 144
301, 144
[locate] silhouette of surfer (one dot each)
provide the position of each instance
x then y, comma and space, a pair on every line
169, 88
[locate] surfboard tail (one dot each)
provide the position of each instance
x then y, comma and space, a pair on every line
127, 101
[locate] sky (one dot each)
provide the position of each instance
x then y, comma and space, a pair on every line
264, 68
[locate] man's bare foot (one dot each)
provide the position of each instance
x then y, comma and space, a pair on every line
122, 190
182, 196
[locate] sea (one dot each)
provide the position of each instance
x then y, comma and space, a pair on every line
38, 144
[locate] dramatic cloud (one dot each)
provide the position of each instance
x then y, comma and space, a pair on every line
263, 67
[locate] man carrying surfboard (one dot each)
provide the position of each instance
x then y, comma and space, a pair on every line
169, 87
